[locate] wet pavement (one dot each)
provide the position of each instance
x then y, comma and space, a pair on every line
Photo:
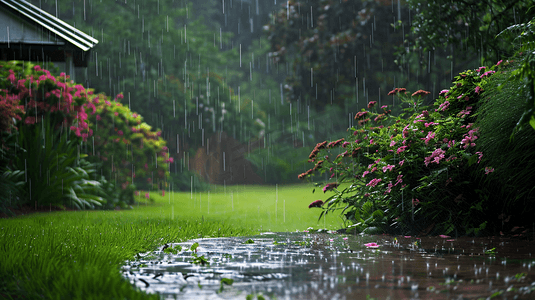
334, 266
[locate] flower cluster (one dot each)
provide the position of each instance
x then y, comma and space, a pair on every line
397, 91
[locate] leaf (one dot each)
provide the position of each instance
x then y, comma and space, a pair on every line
194, 246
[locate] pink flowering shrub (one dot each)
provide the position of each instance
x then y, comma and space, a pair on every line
107, 131
426, 153
131, 151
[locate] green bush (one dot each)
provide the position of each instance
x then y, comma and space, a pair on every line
55, 173
418, 172
53, 117
186, 180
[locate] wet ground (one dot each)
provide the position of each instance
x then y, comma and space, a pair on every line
333, 266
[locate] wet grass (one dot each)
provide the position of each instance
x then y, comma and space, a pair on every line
266, 208
77, 255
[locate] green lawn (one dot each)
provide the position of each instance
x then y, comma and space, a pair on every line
264, 208
77, 255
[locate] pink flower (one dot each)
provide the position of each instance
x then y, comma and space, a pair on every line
443, 92
444, 106
11, 76
136, 193
147, 195
469, 138
120, 132
444, 236
480, 156
389, 187
488, 170
487, 74
372, 104
499, 62
317, 203
399, 179
371, 245
421, 93
430, 135
392, 143
170, 160
415, 202
478, 89
401, 149
116, 114
388, 168
330, 186
29, 120
374, 182
401, 162
435, 157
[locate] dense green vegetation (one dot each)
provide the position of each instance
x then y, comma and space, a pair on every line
62, 144
460, 166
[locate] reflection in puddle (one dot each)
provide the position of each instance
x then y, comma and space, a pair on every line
332, 266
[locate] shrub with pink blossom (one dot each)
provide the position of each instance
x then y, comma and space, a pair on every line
107, 131
425, 153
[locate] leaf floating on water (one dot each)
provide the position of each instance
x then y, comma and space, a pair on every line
157, 275
145, 282
194, 246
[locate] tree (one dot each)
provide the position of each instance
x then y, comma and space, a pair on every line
339, 55
166, 62
468, 28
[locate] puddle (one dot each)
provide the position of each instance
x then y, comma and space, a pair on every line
334, 266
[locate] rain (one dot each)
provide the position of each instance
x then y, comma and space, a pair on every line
366, 121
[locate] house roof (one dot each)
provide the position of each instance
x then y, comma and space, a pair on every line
34, 14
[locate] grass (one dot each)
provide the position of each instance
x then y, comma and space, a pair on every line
77, 255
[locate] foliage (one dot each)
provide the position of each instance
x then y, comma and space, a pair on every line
36, 98
418, 168
116, 197
502, 105
186, 180
332, 47
128, 148
523, 37
277, 164
470, 27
